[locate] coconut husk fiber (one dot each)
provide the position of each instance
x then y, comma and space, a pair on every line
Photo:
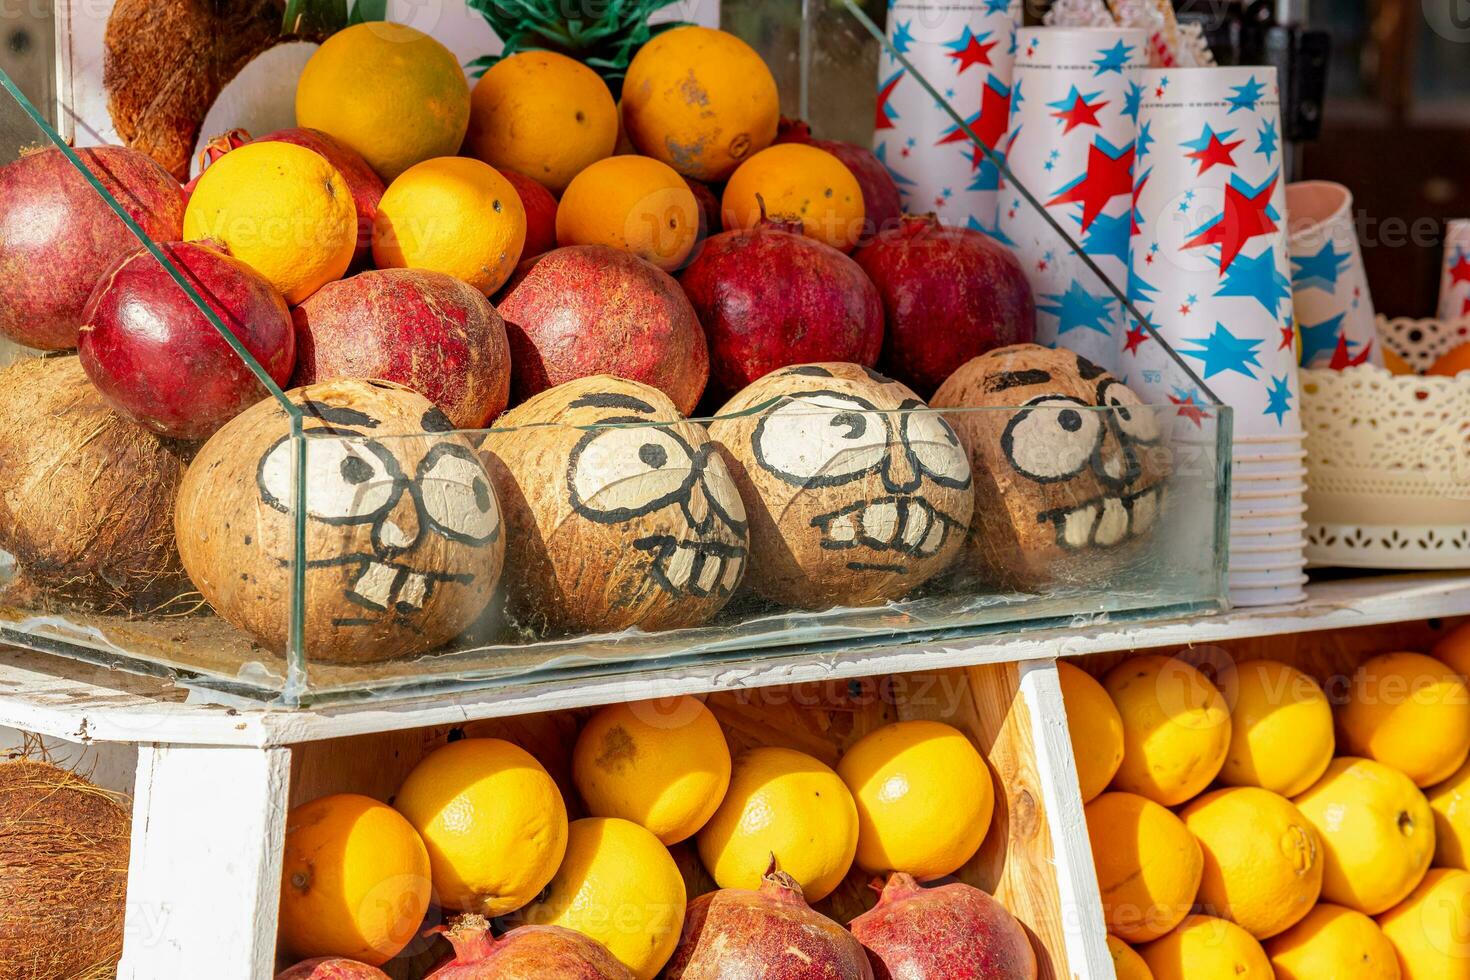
63, 874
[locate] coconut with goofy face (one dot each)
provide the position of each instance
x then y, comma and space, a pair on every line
619, 511
1075, 469
857, 494
404, 544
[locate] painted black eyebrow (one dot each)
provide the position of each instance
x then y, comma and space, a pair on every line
1006, 380
809, 371
338, 416
1089, 370
608, 399
435, 420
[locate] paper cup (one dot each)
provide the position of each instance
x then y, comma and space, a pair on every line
1276, 595
1454, 280
1334, 312
1290, 574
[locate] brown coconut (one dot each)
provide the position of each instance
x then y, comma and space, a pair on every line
852, 501
1058, 482
86, 497
403, 533
633, 523
63, 874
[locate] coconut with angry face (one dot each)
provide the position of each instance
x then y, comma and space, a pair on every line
404, 544
619, 511
1076, 468
856, 493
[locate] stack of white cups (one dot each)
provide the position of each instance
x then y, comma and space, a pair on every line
1268, 523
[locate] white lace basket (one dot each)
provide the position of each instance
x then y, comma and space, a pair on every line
1388, 457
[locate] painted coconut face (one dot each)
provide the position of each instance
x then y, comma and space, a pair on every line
404, 542
854, 498
1058, 478
620, 512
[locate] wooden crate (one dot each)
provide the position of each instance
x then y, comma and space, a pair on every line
1035, 859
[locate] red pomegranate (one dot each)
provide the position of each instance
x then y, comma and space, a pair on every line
157, 360
424, 330
540, 207
590, 309
881, 199
769, 297
332, 968
771, 933
366, 186
216, 147
526, 953
949, 294
952, 932
57, 234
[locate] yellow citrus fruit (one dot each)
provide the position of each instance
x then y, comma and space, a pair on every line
1430, 930
1176, 728
783, 803
1148, 865
633, 203
544, 115
700, 100
797, 182
1280, 729
924, 798
1377, 833
1333, 941
620, 886
452, 215
1263, 861
1094, 727
354, 881
1207, 948
493, 820
1409, 711
1454, 649
662, 764
1450, 801
394, 94
281, 209
1127, 964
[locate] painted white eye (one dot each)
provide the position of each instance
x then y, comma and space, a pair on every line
936, 447
622, 473
348, 481
457, 497
1136, 419
821, 440
1052, 439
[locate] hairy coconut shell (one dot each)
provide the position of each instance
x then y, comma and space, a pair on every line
851, 501
63, 874
86, 497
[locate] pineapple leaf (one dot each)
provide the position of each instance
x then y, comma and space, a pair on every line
314, 16
366, 10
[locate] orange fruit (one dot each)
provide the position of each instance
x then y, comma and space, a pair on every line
1176, 728
1206, 948
797, 182
354, 880
1148, 865
1408, 711
1127, 964
452, 215
633, 203
1452, 361
700, 100
542, 114
1332, 941
1430, 930
1454, 649
1281, 735
394, 94
1094, 727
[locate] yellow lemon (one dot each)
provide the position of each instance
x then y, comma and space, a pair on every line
1280, 729
1333, 941
1127, 964
924, 798
1377, 833
1263, 861
1094, 727
1430, 930
355, 880
1454, 647
1408, 711
784, 803
700, 100
1148, 865
493, 820
1450, 801
801, 183
544, 115
1206, 948
662, 764
452, 215
619, 886
1176, 728
392, 93
633, 203
281, 209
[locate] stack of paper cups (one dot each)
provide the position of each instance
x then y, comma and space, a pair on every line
1334, 311
964, 50
1074, 116
1454, 282
1211, 272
